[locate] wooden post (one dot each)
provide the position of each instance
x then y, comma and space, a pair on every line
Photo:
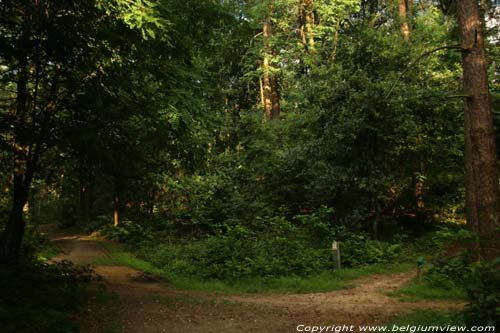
336, 254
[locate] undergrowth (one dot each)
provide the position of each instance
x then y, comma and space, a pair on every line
326, 280
37, 297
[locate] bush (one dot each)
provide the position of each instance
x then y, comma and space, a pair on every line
242, 252
271, 247
127, 232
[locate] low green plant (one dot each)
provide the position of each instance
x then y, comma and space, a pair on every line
483, 293
426, 289
36, 243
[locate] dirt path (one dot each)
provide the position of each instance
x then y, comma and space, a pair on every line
144, 305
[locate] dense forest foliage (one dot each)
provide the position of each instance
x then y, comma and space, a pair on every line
227, 139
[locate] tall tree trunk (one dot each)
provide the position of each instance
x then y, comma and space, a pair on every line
270, 81
266, 83
306, 24
482, 192
404, 16
13, 233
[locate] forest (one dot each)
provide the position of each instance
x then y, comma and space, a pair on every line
185, 166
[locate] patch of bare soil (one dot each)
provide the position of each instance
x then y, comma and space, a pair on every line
145, 305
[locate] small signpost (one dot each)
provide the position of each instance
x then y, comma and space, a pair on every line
336, 253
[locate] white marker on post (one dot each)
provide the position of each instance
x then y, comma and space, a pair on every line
336, 253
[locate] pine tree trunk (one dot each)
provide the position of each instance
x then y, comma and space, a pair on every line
482, 192
270, 81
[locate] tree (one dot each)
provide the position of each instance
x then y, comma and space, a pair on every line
39, 47
481, 164
50, 49
270, 81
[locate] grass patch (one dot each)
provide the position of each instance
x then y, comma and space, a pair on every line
427, 317
320, 282
425, 290
119, 256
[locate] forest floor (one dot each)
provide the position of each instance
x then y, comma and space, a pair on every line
143, 303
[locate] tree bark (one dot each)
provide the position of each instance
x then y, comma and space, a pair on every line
482, 192
22, 173
270, 81
404, 10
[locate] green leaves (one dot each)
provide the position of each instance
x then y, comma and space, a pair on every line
143, 15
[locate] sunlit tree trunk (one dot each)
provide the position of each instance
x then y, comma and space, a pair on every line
116, 211
309, 12
266, 83
270, 81
482, 193
404, 17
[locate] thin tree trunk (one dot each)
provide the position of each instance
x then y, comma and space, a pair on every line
84, 192
482, 192
266, 83
262, 98
116, 211
275, 98
420, 188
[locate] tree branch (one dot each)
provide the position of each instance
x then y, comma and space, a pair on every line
423, 55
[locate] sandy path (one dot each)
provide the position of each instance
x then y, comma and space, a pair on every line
144, 305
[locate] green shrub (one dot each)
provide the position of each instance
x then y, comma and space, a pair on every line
483, 289
127, 232
271, 247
